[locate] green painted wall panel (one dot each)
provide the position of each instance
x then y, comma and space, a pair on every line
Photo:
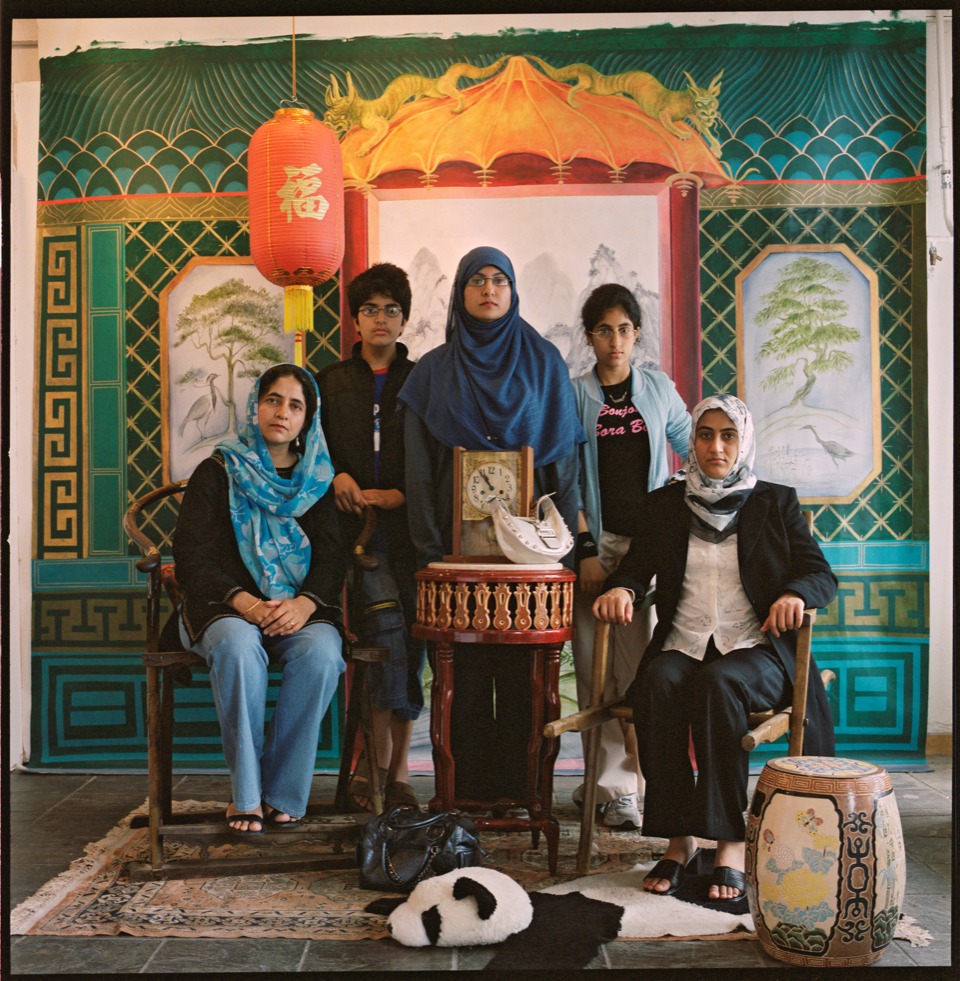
106, 363
106, 281
106, 494
106, 432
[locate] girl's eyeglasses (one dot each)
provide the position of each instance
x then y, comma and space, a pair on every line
605, 333
480, 281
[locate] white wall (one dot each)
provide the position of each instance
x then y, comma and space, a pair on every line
940, 392
23, 250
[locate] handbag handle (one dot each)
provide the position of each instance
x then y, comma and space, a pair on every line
433, 821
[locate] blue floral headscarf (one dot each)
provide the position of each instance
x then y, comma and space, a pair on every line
264, 507
496, 385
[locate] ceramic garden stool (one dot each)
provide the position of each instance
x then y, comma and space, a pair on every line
825, 862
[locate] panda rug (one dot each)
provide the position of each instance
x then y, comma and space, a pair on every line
559, 928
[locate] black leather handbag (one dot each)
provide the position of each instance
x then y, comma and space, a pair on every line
403, 845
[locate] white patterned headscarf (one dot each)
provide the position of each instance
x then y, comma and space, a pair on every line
716, 503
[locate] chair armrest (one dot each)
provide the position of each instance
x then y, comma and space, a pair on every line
580, 721
131, 524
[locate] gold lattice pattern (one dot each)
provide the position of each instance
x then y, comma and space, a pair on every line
155, 252
882, 238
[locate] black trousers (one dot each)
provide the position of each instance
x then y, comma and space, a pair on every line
490, 720
712, 698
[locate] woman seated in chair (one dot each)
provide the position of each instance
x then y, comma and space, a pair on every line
735, 568
261, 566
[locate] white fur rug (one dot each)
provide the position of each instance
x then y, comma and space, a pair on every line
647, 916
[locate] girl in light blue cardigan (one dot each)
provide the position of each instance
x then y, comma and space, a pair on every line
629, 413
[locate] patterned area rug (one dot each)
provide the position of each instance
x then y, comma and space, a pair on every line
96, 897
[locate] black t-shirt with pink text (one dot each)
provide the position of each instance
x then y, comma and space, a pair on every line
623, 455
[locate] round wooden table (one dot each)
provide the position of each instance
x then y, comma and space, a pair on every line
498, 603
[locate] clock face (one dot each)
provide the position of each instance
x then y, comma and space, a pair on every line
491, 479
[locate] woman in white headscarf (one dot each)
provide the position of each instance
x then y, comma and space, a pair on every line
735, 567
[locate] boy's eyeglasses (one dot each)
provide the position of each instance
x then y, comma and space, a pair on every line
391, 310
480, 281
605, 333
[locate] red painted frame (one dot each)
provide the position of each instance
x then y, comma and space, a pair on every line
678, 209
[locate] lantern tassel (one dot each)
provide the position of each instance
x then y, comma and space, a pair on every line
298, 307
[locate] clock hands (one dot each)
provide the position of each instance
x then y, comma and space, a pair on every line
487, 479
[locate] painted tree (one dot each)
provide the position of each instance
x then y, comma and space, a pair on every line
238, 325
805, 315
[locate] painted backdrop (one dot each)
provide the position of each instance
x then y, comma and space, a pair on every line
743, 140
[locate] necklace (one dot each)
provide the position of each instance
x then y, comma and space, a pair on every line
608, 391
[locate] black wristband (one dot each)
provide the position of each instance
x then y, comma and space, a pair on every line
586, 546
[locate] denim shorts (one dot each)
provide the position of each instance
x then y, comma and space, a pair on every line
389, 606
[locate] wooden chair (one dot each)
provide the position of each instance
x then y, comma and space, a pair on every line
164, 669
765, 726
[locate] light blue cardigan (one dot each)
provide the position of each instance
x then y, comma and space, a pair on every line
656, 399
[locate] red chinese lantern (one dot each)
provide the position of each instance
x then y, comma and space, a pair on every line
295, 181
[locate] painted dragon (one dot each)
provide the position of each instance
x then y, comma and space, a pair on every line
669, 106
374, 115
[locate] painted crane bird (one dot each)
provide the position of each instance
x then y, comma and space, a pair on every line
200, 412
835, 451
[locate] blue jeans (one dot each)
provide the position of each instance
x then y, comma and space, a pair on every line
278, 769
389, 607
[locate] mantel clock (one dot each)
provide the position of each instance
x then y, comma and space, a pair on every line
478, 476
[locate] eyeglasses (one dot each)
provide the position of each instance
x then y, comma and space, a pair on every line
605, 333
480, 281
390, 311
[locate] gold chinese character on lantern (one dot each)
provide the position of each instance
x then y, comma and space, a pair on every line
300, 195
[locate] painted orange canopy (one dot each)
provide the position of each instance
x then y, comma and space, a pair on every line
523, 113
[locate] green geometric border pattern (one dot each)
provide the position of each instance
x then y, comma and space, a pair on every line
883, 237
61, 456
92, 715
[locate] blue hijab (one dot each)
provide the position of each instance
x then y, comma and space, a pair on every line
495, 384
264, 507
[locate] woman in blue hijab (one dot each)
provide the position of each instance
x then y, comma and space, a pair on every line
260, 562
495, 384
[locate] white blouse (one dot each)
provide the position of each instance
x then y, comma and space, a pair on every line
713, 602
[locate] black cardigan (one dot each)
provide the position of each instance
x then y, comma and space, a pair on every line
210, 569
346, 415
776, 553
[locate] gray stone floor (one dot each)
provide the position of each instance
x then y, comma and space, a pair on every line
52, 817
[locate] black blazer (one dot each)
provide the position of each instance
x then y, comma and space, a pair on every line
776, 553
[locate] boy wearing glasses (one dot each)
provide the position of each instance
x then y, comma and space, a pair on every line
630, 413
358, 412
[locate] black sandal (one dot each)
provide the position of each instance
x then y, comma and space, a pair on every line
272, 819
399, 794
724, 875
250, 819
672, 871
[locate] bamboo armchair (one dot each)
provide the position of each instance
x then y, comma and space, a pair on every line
765, 726
167, 667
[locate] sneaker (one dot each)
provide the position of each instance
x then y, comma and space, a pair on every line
621, 813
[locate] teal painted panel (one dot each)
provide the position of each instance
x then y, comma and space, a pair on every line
90, 713
842, 555
85, 574
896, 555
106, 499
912, 556
105, 348
106, 432
878, 700
106, 279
